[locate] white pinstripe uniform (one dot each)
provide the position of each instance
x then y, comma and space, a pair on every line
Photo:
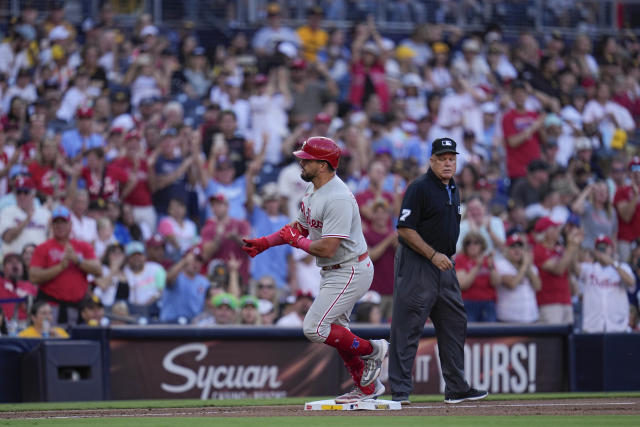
332, 211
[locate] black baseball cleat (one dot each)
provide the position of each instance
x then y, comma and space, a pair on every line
402, 400
471, 394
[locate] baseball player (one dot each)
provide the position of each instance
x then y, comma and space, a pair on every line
328, 226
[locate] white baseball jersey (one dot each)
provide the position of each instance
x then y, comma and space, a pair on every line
332, 211
605, 306
518, 304
34, 233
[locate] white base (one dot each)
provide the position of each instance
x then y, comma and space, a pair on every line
367, 405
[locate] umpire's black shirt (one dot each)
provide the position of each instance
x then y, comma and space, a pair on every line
426, 208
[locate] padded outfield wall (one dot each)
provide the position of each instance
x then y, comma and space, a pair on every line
160, 362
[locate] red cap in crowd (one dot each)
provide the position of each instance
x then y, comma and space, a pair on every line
322, 118
84, 113
514, 238
218, 198
260, 79
197, 252
634, 164
544, 223
155, 241
484, 184
299, 64
23, 182
303, 294
603, 238
134, 134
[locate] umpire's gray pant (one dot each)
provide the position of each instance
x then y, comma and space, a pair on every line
421, 290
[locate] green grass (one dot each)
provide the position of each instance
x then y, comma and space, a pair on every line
195, 403
337, 421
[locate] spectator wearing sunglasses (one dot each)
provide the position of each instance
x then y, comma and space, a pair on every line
266, 290
519, 282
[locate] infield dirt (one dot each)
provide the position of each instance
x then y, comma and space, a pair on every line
601, 406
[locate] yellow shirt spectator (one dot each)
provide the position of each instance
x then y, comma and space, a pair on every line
31, 332
41, 316
311, 35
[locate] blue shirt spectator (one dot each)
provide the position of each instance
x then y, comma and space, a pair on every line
273, 263
419, 149
176, 189
184, 299
235, 193
74, 143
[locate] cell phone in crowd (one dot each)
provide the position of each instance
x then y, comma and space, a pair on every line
218, 141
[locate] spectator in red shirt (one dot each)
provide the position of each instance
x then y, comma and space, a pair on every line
478, 278
105, 181
382, 240
37, 133
60, 265
222, 237
46, 170
377, 174
156, 251
13, 285
134, 163
521, 133
553, 262
627, 204
367, 69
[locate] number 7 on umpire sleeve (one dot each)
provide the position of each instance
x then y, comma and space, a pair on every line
404, 214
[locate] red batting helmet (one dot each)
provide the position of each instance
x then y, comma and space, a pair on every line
320, 148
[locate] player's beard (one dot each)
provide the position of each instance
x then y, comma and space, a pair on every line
306, 176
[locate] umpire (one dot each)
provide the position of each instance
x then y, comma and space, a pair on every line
425, 281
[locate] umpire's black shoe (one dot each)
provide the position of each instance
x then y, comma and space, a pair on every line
402, 400
471, 394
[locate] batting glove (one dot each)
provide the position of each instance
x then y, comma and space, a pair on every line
254, 246
292, 236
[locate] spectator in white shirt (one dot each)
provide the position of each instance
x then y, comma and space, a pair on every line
477, 218
76, 96
459, 110
299, 309
266, 39
23, 88
606, 115
233, 101
83, 227
178, 230
268, 105
25, 222
13, 55
146, 281
471, 64
604, 282
519, 282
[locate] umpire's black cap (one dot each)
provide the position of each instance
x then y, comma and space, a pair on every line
443, 145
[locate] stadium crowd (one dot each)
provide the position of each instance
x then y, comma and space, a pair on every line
132, 164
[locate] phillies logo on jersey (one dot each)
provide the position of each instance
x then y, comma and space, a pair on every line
109, 186
306, 211
56, 255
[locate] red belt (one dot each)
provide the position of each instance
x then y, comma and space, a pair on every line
337, 266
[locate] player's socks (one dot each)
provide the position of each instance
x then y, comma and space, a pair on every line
355, 366
344, 340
